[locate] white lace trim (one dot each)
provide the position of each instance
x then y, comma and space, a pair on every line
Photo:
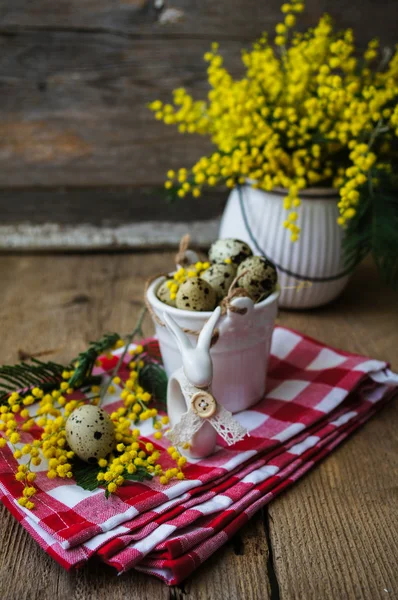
223, 422
227, 427
183, 432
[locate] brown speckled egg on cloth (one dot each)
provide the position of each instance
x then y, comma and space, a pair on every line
258, 276
196, 294
220, 277
90, 433
236, 250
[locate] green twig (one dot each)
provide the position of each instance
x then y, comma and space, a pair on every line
376, 131
86, 360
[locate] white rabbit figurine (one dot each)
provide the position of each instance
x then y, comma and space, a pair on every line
195, 415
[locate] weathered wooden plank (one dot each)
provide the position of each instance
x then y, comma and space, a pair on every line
108, 206
141, 235
74, 109
104, 217
71, 299
239, 18
334, 535
75, 80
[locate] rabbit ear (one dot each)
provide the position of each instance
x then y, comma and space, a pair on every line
205, 335
182, 340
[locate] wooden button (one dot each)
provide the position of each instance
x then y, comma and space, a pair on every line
204, 405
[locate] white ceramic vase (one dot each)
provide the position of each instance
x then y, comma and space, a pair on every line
256, 217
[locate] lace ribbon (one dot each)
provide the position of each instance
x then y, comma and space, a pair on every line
223, 422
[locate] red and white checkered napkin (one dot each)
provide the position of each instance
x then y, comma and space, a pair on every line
316, 397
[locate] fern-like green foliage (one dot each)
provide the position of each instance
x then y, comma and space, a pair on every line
26, 375
374, 229
85, 475
153, 379
86, 360
48, 375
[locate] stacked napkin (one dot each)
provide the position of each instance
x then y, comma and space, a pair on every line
316, 396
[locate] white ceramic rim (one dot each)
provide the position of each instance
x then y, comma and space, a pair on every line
161, 306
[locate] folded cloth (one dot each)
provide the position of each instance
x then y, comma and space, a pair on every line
253, 491
174, 570
315, 397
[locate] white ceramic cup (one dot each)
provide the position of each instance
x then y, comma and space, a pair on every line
240, 355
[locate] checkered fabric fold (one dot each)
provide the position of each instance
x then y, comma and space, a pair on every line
316, 396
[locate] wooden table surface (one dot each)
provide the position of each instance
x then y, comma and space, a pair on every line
332, 536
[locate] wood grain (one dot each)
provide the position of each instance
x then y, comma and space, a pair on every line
332, 536
335, 534
74, 108
238, 571
104, 206
75, 81
242, 19
104, 218
76, 77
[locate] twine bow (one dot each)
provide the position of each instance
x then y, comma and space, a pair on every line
180, 257
226, 303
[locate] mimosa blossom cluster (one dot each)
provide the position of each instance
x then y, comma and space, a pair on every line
307, 113
39, 415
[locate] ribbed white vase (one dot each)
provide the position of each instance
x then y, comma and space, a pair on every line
256, 217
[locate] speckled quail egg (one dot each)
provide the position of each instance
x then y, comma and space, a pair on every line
196, 294
90, 433
236, 250
220, 277
164, 293
258, 276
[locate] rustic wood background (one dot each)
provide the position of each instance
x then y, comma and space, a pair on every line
77, 143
